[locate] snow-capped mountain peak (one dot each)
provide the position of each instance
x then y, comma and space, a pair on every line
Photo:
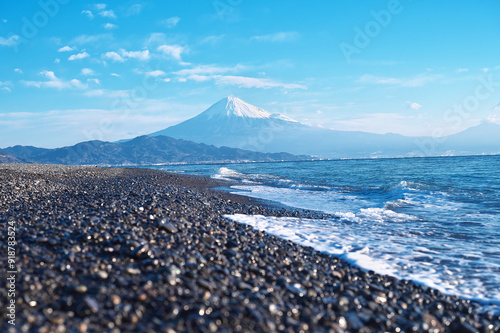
231, 121
235, 107
283, 117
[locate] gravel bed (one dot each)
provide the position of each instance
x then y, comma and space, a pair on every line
136, 250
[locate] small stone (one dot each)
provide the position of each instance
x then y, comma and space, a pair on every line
432, 321
343, 301
168, 227
342, 322
231, 244
57, 319
140, 250
204, 283
92, 303
462, 327
115, 299
82, 328
297, 289
174, 270
81, 289
244, 285
102, 274
354, 322
132, 271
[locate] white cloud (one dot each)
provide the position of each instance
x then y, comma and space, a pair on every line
55, 82
66, 49
110, 26
96, 81
134, 10
107, 93
92, 39
113, 56
209, 69
107, 13
11, 41
277, 37
174, 51
415, 106
100, 8
155, 73
198, 78
171, 22
156, 39
204, 73
485, 70
416, 81
114, 74
88, 13
17, 70
141, 55
78, 56
461, 70
49, 74
167, 79
7, 89
213, 39
250, 82
242, 81
87, 71
124, 55
57, 60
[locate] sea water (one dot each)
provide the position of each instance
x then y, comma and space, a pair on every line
435, 221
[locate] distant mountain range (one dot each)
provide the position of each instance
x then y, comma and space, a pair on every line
8, 159
233, 122
255, 135
141, 150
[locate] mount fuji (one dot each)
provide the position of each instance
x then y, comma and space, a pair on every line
234, 123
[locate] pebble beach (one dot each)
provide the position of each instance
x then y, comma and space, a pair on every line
139, 250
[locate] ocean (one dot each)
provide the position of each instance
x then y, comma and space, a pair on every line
435, 221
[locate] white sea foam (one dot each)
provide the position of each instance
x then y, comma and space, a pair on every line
228, 174
385, 249
326, 201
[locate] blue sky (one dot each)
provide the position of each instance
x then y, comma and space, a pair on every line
73, 71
